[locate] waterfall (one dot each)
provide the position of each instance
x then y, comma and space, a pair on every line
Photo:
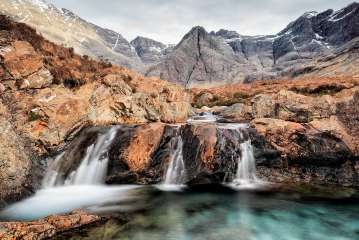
175, 174
82, 188
204, 117
92, 169
246, 172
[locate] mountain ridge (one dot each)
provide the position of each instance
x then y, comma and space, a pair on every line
204, 58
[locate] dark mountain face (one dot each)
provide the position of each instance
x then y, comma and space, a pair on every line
317, 32
204, 59
199, 59
150, 51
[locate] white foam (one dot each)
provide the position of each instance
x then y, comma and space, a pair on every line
65, 199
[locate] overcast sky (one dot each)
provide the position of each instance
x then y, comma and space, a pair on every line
169, 20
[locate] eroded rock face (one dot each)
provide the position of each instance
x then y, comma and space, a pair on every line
304, 154
143, 144
303, 143
47, 227
150, 51
15, 164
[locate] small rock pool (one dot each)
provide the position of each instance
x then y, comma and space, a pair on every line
219, 213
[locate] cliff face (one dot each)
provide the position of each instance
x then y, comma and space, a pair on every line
48, 93
199, 59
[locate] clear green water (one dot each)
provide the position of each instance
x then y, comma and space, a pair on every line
247, 215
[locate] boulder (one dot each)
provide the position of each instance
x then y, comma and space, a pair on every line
37, 80
20, 59
303, 109
303, 143
237, 112
264, 106
47, 227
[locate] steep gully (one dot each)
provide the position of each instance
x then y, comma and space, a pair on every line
76, 177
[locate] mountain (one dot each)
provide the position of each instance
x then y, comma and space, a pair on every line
314, 44
311, 44
64, 27
150, 51
198, 59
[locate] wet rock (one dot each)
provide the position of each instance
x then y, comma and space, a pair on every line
315, 153
47, 227
198, 148
143, 144
299, 143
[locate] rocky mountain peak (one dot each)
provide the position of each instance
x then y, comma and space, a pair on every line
226, 34
149, 50
146, 42
197, 31
352, 6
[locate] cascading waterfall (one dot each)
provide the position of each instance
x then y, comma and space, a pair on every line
246, 170
246, 173
175, 174
83, 188
92, 169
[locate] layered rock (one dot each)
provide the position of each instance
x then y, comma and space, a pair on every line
321, 152
141, 154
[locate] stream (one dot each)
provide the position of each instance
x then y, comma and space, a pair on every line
246, 207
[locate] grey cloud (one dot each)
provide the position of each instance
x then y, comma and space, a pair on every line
169, 20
